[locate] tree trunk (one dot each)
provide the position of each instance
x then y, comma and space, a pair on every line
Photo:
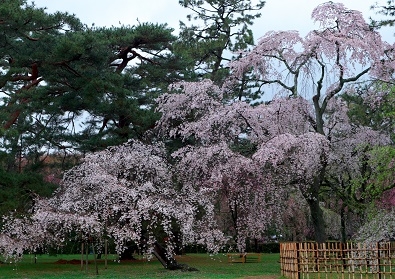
317, 215
168, 261
343, 224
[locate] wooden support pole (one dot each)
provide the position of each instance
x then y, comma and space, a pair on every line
105, 253
86, 258
94, 258
82, 255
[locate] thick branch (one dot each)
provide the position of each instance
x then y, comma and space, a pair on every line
339, 87
124, 55
249, 125
14, 116
31, 38
319, 122
290, 88
35, 81
33, 76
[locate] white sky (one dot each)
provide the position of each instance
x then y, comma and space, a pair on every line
276, 15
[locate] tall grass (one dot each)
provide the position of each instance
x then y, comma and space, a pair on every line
216, 266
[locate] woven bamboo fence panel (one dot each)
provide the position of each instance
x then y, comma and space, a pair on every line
337, 260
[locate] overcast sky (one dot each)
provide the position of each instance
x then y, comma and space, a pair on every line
276, 15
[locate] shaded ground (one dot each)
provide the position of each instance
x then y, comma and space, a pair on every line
75, 261
209, 266
61, 261
261, 277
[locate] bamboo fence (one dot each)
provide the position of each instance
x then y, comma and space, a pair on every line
312, 260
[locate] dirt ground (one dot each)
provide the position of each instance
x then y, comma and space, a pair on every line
260, 277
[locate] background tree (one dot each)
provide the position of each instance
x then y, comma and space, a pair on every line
387, 9
361, 187
295, 216
349, 169
220, 28
86, 88
27, 33
372, 105
18, 192
68, 89
380, 187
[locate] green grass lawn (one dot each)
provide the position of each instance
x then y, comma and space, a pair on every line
209, 267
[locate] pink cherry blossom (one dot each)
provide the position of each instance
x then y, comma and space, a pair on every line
125, 193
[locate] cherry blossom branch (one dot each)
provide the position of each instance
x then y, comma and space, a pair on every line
340, 85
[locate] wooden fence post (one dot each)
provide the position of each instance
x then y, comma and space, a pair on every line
378, 260
297, 261
343, 257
